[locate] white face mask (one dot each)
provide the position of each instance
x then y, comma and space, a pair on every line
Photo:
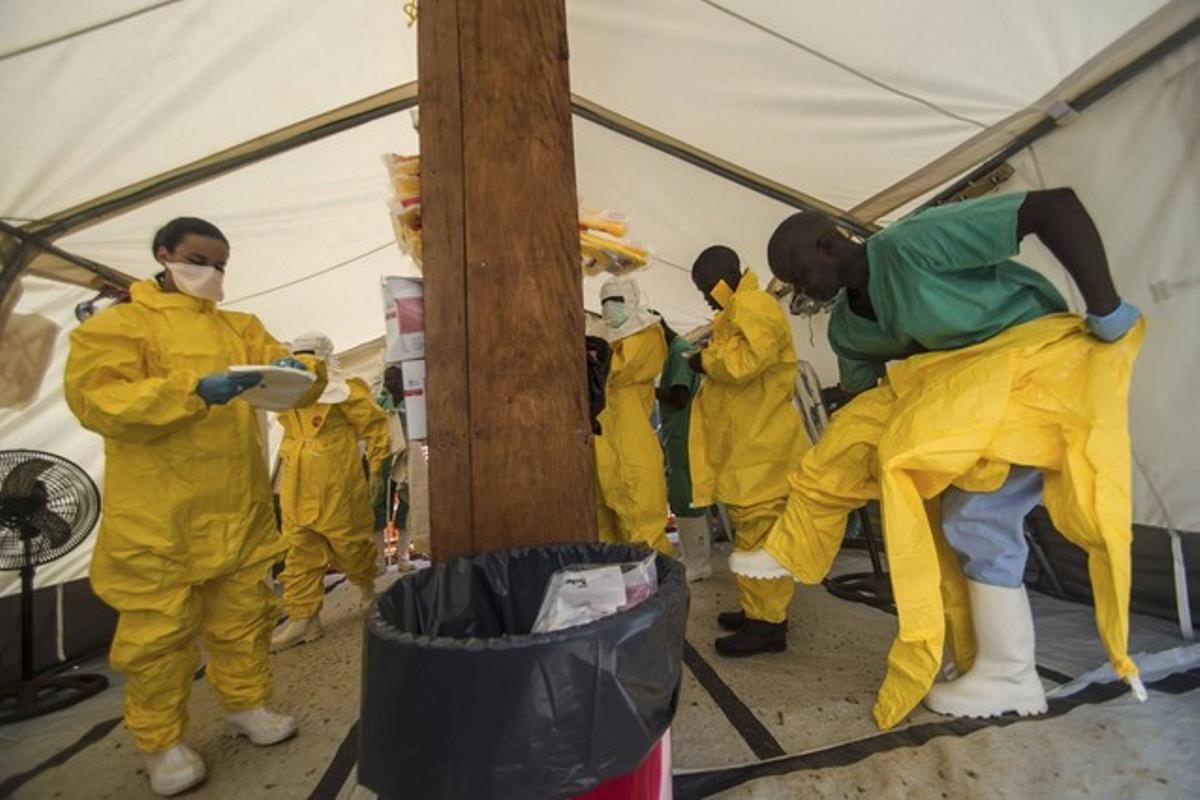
198, 280
616, 313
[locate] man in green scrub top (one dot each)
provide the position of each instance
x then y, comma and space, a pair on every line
939, 280
676, 388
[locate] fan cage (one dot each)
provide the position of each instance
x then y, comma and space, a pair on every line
70, 493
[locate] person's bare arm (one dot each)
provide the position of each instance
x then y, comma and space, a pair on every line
1059, 220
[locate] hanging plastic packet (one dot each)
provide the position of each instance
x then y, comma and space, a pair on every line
578, 594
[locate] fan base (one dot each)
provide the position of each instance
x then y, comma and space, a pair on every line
28, 699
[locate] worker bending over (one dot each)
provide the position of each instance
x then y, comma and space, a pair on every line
323, 496
745, 435
631, 497
994, 396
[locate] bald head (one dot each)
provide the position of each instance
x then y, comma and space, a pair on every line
716, 263
806, 250
795, 240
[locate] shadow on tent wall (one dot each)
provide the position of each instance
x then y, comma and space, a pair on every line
1153, 591
87, 628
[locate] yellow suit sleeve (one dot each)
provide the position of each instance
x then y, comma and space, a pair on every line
759, 333
263, 348
370, 422
108, 389
637, 359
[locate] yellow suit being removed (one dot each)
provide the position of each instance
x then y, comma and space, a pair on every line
328, 520
745, 435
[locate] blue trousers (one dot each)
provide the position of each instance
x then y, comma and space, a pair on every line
987, 529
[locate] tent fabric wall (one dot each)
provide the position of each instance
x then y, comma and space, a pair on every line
1134, 161
47, 424
838, 100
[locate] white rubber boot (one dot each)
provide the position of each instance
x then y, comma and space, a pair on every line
296, 631
757, 564
695, 547
260, 726
175, 770
1004, 677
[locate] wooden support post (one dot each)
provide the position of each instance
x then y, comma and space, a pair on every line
510, 447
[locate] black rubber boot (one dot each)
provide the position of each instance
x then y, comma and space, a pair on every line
754, 637
732, 620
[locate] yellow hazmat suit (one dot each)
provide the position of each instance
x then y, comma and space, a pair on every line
632, 493
327, 515
189, 532
1043, 394
745, 431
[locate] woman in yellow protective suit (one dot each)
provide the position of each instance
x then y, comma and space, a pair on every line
631, 499
745, 435
327, 514
189, 535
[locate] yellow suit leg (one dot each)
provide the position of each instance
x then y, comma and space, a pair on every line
765, 600
304, 567
355, 555
240, 611
155, 649
606, 522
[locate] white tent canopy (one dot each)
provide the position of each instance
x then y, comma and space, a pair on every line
859, 106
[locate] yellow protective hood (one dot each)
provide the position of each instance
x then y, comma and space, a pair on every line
1044, 394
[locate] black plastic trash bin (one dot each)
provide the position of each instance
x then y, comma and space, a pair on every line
459, 700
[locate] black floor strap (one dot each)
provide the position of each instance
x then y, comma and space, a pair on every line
97, 732
339, 769
703, 784
749, 727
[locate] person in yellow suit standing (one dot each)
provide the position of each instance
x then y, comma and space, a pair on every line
189, 535
745, 435
327, 515
631, 498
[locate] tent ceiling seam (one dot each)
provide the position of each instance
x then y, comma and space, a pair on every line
30, 241
843, 66
1016, 132
84, 31
398, 98
312, 275
644, 134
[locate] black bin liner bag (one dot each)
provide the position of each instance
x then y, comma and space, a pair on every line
459, 700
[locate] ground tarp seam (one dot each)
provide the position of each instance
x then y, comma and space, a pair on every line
1053, 675
102, 729
98, 732
760, 740
339, 769
703, 784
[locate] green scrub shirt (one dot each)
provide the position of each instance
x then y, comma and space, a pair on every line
676, 372
939, 280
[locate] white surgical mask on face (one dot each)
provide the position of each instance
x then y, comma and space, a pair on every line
615, 313
198, 280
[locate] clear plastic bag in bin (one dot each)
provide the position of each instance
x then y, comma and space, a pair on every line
581, 593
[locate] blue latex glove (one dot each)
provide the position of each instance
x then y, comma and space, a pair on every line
219, 388
1114, 325
293, 363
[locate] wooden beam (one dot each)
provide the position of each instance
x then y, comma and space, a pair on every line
510, 444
